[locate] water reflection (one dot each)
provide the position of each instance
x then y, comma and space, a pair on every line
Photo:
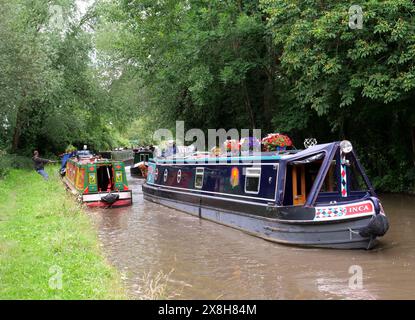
210, 261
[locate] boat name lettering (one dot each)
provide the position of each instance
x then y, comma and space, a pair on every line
342, 211
360, 208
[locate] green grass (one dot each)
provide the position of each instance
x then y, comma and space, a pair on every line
44, 231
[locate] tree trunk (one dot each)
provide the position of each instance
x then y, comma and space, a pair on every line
269, 85
248, 105
268, 103
413, 143
17, 132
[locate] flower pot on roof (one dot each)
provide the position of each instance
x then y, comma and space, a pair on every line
215, 151
231, 147
248, 145
276, 142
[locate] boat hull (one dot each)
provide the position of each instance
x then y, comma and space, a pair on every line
339, 234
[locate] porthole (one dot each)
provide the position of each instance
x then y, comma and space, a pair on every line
165, 175
200, 172
179, 176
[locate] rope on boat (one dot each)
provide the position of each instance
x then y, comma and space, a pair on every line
351, 232
108, 173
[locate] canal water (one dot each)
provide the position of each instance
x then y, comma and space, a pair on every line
156, 246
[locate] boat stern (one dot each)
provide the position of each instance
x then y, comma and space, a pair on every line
108, 199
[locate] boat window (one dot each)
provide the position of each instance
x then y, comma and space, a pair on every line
165, 175
199, 178
156, 174
179, 176
300, 177
143, 157
330, 183
252, 180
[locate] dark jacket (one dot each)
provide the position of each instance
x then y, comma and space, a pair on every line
39, 162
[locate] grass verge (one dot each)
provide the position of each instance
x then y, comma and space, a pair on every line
49, 248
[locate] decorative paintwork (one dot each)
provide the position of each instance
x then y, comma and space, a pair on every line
81, 178
356, 209
234, 177
343, 179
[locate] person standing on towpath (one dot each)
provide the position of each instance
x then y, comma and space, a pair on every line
39, 164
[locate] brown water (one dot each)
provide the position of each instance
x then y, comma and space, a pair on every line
205, 260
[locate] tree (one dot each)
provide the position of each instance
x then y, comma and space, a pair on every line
360, 80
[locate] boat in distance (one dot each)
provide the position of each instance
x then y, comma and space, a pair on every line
140, 162
317, 197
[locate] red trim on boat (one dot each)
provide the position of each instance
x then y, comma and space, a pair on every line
116, 204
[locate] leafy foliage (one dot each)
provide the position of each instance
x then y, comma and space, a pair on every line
280, 65
50, 92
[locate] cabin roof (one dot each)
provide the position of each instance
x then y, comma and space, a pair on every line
263, 156
87, 161
318, 148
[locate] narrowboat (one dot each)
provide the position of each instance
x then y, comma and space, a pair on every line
124, 155
97, 182
141, 158
316, 197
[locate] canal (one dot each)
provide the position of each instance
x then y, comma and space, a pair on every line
197, 259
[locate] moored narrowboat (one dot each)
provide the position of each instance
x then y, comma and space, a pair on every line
317, 197
141, 158
98, 182
124, 155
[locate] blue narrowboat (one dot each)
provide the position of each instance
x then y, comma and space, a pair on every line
317, 197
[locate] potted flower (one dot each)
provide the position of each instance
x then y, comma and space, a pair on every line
249, 144
276, 142
231, 147
216, 151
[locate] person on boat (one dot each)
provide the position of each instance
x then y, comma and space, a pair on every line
65, 157
39, 164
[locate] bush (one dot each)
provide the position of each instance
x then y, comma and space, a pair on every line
398, 180
10, 161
